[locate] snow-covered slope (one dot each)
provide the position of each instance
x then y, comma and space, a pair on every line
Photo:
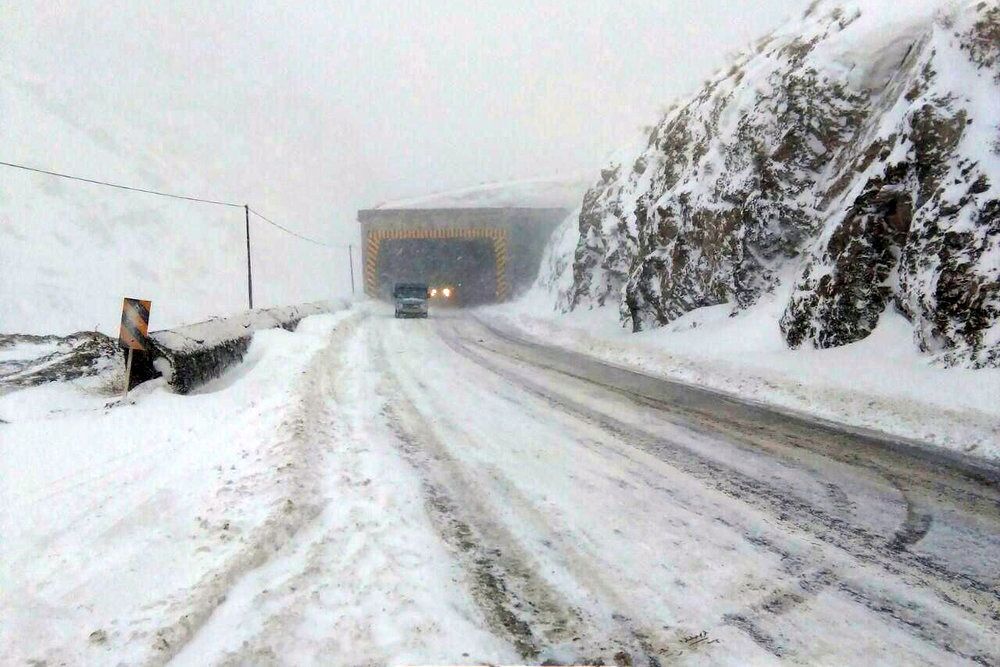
70, 251
559, 192
854, 153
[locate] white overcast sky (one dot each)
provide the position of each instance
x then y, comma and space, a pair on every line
316, 109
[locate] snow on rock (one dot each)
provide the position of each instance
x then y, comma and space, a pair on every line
919, 224
27, 360
858, 145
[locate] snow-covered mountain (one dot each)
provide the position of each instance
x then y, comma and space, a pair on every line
851, 158
70, 251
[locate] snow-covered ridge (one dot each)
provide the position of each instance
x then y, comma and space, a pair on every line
188, 356
31, 360
854, 153
558, 192
70, 251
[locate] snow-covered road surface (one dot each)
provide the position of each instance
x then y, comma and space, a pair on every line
478, 498
593, 513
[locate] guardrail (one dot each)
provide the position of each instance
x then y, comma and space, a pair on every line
191, 355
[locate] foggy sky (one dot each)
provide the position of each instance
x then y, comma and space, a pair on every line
313, 110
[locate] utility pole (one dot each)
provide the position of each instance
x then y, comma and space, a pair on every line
350, 260
246, 209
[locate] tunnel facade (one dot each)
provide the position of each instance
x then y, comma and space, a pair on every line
486, 255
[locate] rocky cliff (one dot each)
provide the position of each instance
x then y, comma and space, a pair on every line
851, 158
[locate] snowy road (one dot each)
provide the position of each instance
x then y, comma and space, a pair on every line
593, 514
374, 491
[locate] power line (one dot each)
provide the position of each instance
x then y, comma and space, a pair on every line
165, 194
287, 230
245, 207
120, 186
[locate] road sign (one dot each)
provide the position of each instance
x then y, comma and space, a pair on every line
133, 332
135, 324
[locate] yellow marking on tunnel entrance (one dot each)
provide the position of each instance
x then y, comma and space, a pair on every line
373, 246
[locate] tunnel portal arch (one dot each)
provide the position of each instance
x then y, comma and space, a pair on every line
393, 238
376, 239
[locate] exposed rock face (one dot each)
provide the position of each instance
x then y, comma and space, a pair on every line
868, 170
923, 233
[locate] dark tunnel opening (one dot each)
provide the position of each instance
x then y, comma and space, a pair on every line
466, 266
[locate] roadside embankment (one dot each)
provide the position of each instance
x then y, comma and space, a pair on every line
191, 355
188, 356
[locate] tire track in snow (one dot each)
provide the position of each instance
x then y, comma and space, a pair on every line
525, 608
916, 525
299, 478
719, 412
968, 582
369, 582
960, 591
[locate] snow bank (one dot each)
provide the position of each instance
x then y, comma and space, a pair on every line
881, 383
123, 528
194, 354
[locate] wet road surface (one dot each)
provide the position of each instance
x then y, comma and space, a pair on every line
603, 514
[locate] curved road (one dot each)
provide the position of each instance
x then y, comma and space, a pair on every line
606, 515
478, 498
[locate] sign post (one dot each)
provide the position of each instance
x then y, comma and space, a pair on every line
133, 333
350, 261
246, 209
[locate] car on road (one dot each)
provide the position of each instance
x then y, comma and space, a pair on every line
411, 299
444, 295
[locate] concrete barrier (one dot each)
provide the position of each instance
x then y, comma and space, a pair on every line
187, 356
191, 355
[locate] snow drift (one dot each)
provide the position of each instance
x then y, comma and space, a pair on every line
853, 155
194, 354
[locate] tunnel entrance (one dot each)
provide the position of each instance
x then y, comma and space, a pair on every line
472, 262
517, 236
466, 266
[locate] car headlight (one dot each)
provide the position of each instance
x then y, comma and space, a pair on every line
434, 292
447, 292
